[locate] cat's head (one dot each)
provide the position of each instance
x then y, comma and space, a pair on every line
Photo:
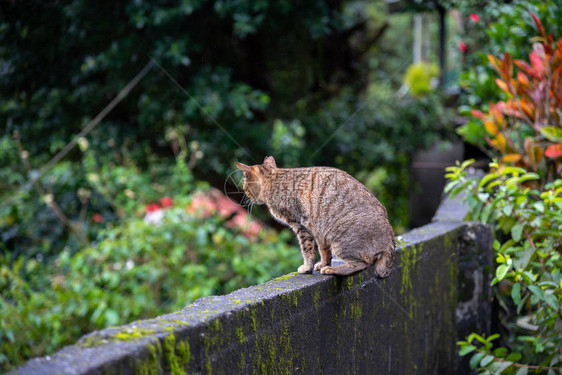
254, 176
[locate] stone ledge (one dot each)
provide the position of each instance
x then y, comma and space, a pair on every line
312, 324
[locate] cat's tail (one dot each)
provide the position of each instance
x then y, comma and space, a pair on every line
384, 264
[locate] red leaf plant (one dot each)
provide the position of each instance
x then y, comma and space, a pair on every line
525, 129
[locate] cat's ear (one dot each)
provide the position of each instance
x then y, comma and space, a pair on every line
269, 161
243, 167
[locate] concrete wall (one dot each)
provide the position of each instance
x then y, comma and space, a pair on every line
312, 324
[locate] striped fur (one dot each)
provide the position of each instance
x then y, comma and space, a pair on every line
329, 207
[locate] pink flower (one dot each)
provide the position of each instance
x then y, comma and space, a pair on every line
97, 218
152, 207
166, 202
474, 17
462, 46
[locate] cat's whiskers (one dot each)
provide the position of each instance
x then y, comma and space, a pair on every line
251, 208
245, 202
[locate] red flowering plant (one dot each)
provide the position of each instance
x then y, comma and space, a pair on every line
525, 129
474, 17
97, 218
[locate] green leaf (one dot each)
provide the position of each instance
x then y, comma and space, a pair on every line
485, 180
501, 271
552, 133
529, 176
493, 337
551, 301
486, 212
512, 170
466, 349
513, 357
522, 304
516, 293
466, 163
10, 335
475, 360
539, 206
509, 243
522, 371
507, 209
483, 196
537, 291
450, 186
486, 360
111, 317
516, 232
500, 352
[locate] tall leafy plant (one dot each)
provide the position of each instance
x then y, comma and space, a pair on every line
521, 197
526, 127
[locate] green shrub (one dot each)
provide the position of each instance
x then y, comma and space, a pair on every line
133, 271
529, 267
419, 78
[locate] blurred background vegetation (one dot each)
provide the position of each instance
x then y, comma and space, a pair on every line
312, 83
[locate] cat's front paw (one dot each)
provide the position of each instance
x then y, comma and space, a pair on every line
327, 270
318, 266
304, 269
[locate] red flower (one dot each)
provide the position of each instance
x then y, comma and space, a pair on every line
97, 218
166, 202
474, 17
152, 207
462, 46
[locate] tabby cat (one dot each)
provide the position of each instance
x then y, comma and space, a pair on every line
330, 207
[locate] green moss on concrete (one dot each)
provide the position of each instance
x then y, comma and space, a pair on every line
242, 362
286, 277
253, 319
316, 298
132, 334
406, 285
295, 299
408, 259
349, 282
126, 334
452, 266
206, 347
273, 353
356, 309
184, 353
240, 335
152, 365
171, 357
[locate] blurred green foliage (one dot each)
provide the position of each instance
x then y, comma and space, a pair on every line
420, 78
255, 65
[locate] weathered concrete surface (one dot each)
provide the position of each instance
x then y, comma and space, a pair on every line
313, 324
